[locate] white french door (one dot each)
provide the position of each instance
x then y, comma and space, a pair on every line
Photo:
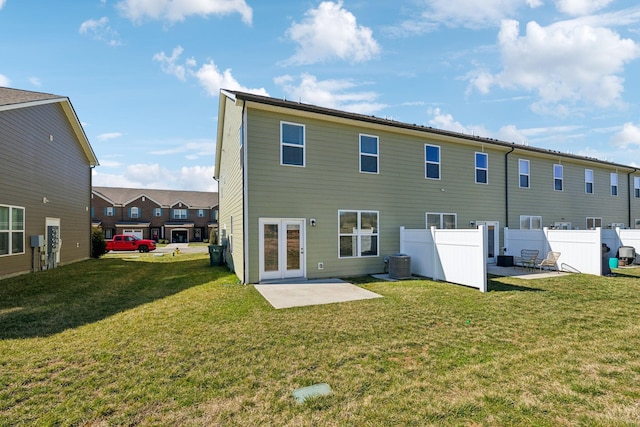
493, 240
282, 243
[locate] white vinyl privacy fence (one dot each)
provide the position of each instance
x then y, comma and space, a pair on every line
456, 256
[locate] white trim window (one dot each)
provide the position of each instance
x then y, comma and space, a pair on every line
636, 186
445, 221
134, 212
358, 234
432, 161
108, 211
368, 153
201, 213
11, 230
482, 168
558, 177
593, 223
614, 183
179, 214
530, 222
524, 173
292, 144
588, 181
157, 212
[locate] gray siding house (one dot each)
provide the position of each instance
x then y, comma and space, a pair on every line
312, 192
45, 190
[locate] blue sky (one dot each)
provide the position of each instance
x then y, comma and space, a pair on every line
144, 75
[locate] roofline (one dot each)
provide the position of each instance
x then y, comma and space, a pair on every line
314, 109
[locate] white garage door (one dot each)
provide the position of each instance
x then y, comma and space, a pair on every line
134, 232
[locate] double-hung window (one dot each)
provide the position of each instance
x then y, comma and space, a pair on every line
482, 168
523, 171
432, 161
291, 144
530, 222
588, 181
447, 221
134, 212
558, 175
636, 186
157, 211
614, 184
201, 213
179, 214
11, 230
108, 211
368, 153
358, 234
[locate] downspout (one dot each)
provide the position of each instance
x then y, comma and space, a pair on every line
629, 194
506, 186
245, 216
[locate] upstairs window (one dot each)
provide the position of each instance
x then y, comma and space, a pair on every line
523, 171
558, 174
201, 213
588, 181
11, 230
432, 161
134, 212
368, 153
636, 186
291, 144
157, 212
445, 221
108, 211
614, 184
179, 214
482, 168
358, 234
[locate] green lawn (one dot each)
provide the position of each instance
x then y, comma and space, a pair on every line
149, 340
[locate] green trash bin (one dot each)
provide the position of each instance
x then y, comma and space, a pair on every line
215, 255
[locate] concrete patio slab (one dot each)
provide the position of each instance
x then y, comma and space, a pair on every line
522, 273
304, 293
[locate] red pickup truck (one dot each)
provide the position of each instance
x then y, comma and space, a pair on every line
126, 242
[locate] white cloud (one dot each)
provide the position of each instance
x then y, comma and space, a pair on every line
338, 94
2, 3
331, 32
109, 135
178, 10
208, 74
4, 81
629, 135
508, 133
191, 150
581, 7
565, 63
195, 178
100, 30
35, 81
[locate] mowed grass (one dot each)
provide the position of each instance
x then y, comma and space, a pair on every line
150, 340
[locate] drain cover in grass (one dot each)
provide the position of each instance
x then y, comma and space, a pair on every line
304, 393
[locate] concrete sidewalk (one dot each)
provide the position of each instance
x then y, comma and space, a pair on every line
313, 292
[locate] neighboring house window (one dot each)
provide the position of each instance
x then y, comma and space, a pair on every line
432, 161
636, 186
157, 211
108, 211
482, 168
588, 181
200, 213
637, 223
557, 177
108, 233
358, 234
11, 230
214, 214
593, 223
134, 212
291, 144
523, 170
179, 214
529, 222
448, 221
368, 153
614, 184
562, 225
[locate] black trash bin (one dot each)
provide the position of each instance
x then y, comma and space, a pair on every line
215, 255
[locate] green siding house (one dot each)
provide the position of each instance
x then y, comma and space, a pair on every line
311, 192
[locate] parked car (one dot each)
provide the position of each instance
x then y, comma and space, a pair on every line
127, 242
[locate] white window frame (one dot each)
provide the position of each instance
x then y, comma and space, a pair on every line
180, 210
432, 162
134, 212
562, 225
201, 213
9, 232
592, 222
284, 144
588, 179
157, 212
370, 155
530, 221
442, 215
358, 234
485, 169
109, 211
613, 179
636, 186
558, 176
522, 162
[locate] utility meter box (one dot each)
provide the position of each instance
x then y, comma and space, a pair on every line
37, 241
